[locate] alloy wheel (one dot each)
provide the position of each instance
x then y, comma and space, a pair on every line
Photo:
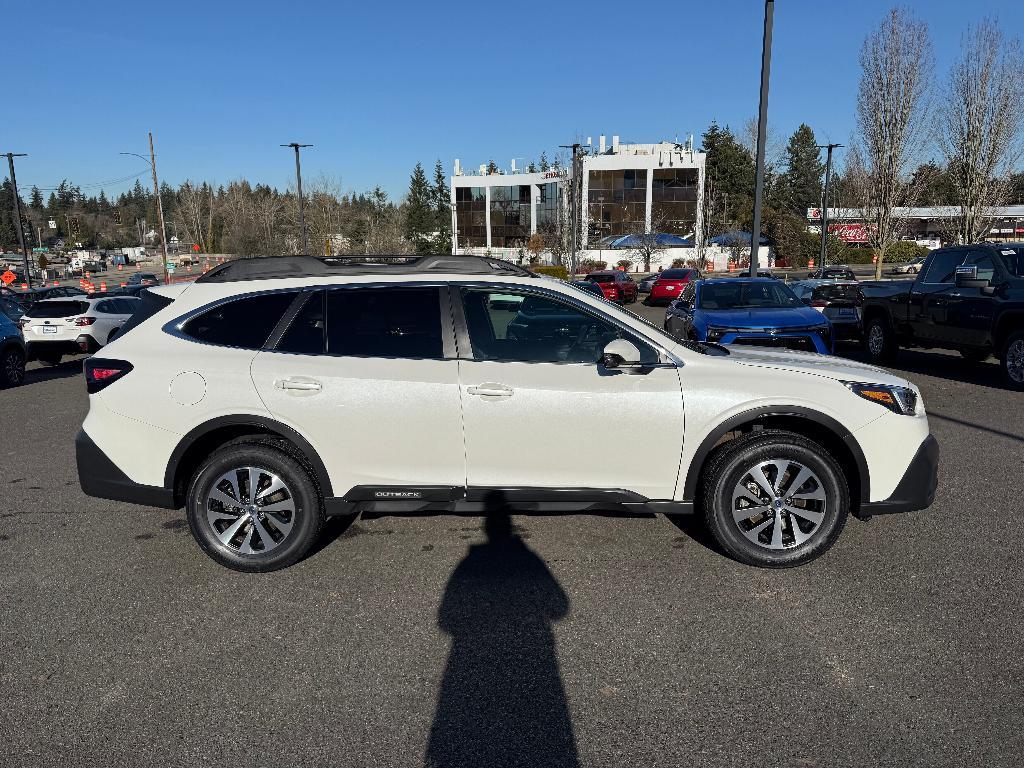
778, 504
251, 510
14, 369
1015, 361
876, 339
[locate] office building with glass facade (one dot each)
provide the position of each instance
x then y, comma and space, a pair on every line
626, 189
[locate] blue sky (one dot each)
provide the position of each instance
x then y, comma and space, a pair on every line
377, 87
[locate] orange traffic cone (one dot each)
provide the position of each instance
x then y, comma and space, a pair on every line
120, 267
103, 285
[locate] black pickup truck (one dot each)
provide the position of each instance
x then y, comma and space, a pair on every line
968, 297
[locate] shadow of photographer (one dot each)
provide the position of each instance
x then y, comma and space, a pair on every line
501, 702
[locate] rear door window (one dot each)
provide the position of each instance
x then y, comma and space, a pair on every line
244, 323
385, 322
307, 333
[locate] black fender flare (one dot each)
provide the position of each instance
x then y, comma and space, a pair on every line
793, 411
259, 424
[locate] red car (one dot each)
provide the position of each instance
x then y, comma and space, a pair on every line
670, 284
615, 285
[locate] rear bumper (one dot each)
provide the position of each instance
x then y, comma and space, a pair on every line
100, 477
917, 488
77, 346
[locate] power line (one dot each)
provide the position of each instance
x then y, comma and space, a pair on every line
94, 184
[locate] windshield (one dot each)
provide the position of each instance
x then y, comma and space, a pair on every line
747, 295
57, 308
601, 278
1013, 258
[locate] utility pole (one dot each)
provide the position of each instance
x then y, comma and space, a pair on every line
762, 129
824, 200
17, 216
298, 185
159, 204
576, 222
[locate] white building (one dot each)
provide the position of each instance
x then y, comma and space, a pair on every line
627, 189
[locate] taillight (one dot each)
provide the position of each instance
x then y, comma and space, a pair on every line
819, 303
100, 373
85, 320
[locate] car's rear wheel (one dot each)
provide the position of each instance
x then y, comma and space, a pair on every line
1013, 361
774, 499
12, 367
253, 507
879, 340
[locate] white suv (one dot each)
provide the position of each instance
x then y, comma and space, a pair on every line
70, 326
272, 392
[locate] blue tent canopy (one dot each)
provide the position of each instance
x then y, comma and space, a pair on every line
736, 236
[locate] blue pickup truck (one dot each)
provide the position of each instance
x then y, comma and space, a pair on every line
968, 298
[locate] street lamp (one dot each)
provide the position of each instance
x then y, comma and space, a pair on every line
159, 202
762, 128
298, 183
824, 200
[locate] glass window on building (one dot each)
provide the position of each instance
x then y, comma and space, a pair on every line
510, 216
616, 203
547, 208
471, 216
674, 200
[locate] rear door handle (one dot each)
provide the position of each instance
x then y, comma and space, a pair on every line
298, 385
490, 390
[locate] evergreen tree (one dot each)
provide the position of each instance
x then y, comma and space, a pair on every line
492, 167
420, 211
52, 204
730, 177
8, 234
544, 162
35, 199
933, 184
801, 182
442, 210
532, 167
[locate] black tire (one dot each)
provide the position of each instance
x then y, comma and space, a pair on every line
305, 519
725, 473
1012, 361
879, 340
12, 367
976, 355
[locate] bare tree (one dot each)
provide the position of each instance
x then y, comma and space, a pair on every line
195, 213
980, 130
892, 105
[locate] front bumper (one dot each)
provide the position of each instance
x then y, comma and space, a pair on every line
806, 342
917, 488
100, 477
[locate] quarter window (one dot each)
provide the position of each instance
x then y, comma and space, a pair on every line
515, 327
244, 323
385, 322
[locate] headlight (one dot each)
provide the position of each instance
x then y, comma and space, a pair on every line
714, 334
901, 400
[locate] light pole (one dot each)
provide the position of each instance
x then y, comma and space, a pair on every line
824, 200
17, 216
159, 202
762, 128
298, 184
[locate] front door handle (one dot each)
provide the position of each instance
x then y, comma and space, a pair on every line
298, 385
490, 390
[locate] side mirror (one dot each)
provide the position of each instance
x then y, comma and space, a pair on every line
620, 353
967, 277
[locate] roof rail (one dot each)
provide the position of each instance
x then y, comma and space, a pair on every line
276, 267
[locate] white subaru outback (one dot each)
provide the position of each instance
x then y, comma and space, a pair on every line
273, 392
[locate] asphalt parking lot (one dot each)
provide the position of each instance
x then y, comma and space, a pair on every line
585, 640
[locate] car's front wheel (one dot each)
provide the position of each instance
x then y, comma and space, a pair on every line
12, 367
880, 340
1013, 361
774, 499
253, 507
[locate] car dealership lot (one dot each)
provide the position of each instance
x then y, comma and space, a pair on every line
599, 641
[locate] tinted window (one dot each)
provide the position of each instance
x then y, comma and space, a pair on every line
513, 327
1013, 258
126, 306
836, 292
106, 307
943, 266
306, 334
385, 322
57, 308
674, 274
985, 264
601, 278
242, 323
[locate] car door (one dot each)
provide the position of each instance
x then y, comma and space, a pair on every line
970, 311
368, 375
106, 320
929, 299
541, 414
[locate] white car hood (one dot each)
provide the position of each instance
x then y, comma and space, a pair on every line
827, 366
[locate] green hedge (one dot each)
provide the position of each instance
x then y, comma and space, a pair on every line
560, 272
